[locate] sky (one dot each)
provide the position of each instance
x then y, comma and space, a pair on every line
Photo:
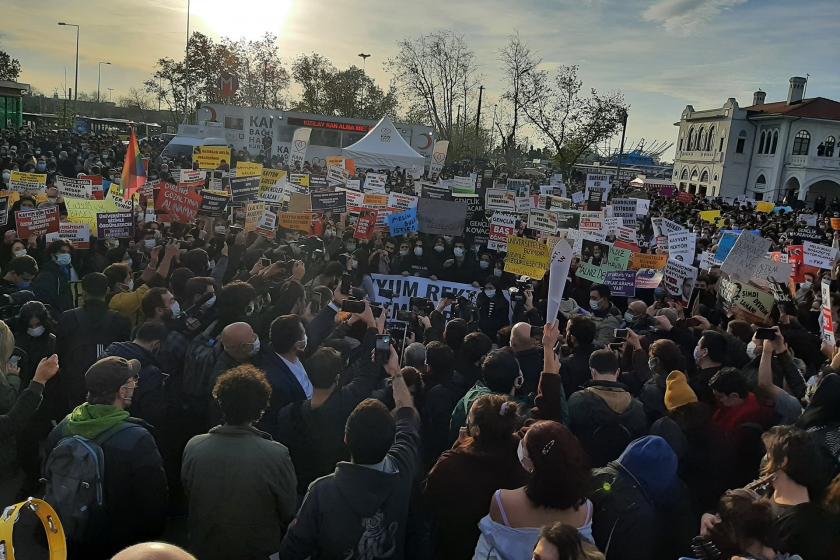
662, 54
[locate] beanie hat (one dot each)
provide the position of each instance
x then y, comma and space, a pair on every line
677, 391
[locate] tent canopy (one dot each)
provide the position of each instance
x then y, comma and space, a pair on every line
384, 146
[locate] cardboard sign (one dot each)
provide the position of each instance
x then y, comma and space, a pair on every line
403, 223
767, 271
181, 203
28, 182
679, 280
645, 260
709, 215
69, 187
622, 283
500, 199
301, 179
267, 225
77, 234
820, 256
213, 203
681, 246
625, 208
764, 206
365, 225
375, 201
249, 169
301, 222
271, 177
375, 182
33, 223
753, 303
441, 217
402, 201
211, 157
329, 201
337, 176
618, 258
276, 194
664, 226
592, 272
115, 225
543, 221
648, 278
502, 226
84, 211
299, 203
527, 257
253, 214
748, 248
435, 192
244, 189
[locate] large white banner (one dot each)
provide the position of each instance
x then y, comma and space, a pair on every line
297, 150
438, 158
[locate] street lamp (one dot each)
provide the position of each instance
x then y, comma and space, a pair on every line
364, 58
99, 80
76, 85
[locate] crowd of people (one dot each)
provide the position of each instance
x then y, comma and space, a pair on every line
219, 390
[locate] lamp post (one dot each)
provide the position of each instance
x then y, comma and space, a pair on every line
76, 85
364, 58
187, 68
623, 116
99, 79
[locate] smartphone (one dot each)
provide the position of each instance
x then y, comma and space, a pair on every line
764, 333
353, 306
620, 333
14, 360
346, 284
383, 348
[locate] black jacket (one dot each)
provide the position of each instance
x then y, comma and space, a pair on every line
359, 511
531, 366
150, 397
575, 369
285, 388
52, 286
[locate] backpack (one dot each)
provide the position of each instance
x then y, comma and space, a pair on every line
200, 359
74, 473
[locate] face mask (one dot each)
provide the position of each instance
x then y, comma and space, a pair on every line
221, 230
20, 253
6, 176
130, 285
698, 354
354, 264
439, 248
301, 344
329, 233
350, 247
250, 309
175, 308
594, 305
112, 243
458, 252
806, 285
418, 251
524, 460
149, 243
497, 272
490, 293
41, 167
255, 347
652, 364
484, 265
403, 252
629, 317
209, 303
753, 350
447, 238
63, 259
35, 331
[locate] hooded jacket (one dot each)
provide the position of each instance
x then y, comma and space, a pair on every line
642, 510
359, 511
149, 402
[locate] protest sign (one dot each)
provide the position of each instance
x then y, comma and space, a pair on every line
438, 158
354, 184
337, 176
592, 272
375, 201
578, 197
725, 245
253, 213
622, 283
519, 185
271, 177
406, 287
748, 248
267, 224
835, 224
69, 187
77, 234
709, 215
501, 227
463, 184
681, 246
190, 175
81, 211
827, 331
297, 148
249, 169
820, 256
318, 181
441, 217
213, 203
297, 221
478, 228
679, 279
28, 182
645, 260
618, 259
707, 260
769, 270
664, 226
365, 225
402, 201
626, 234
244, 189
181, 203
764, 206
625, 208
435, 192
648, 278
375, 182
642, 207
685, 197
807, 219
667, 191
595, 198
403, 223
4, 210
750, 303
523, 204
500, 199
591, 221
527, 257
354, 199
211, 157
594, 180
299, 203
561, 260
301, 179
329, 201
115, 225
543, 220
568, 219
33, 223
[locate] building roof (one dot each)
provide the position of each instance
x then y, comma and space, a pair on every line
813, 108
9, 84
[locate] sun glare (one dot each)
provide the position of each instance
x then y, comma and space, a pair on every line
244, 18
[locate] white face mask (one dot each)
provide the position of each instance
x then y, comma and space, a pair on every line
130, 285
301, 344
439, 248
629, 317
403, 252
806, 285
20, 253
753, 350
524, 460
698, 354
112, 243
36, 331
594, 305
497, 272
418, 251
149, 243
458, 252
484, 265
209, 303
175, 308
221, 230
255, 347
490, 293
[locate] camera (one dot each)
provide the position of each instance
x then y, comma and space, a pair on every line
353, 306
422, 305
517, 291
386, 293
407, 316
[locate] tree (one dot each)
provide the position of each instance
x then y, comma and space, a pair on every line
571, 122
9, 67
137, 99
312, 73
435, 74
262, 77
518, 64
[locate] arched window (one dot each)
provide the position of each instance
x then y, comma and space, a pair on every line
684, 175
801, 143
681, 144
742, 140
704, 178
775, 141
694, 175
829, 146
760, 182
701, 138
710, 139
690, 145
761, 142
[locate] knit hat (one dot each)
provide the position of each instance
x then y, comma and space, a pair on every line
677, 391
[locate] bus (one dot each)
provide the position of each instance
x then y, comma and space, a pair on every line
122, 127
245, 128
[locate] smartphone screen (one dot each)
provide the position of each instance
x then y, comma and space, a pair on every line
383, 348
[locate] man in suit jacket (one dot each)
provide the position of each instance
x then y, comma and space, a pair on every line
283, 368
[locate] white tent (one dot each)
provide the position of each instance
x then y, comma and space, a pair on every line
384, 146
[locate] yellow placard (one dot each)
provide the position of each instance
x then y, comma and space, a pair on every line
709, 215
13, 196
301, 179
270, 177
764, 206
80, 211
644, 260
335, 161
527, 257
248, 169
376, 201
211, 157
296, 221
28, 182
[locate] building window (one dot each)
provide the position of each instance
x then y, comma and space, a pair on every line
681, 144
760, 182
684, 175
720, 147
690, 145
701, 137
761, 142
801, 143
742, 139
709, 139
694, 175
775, 141
828, 146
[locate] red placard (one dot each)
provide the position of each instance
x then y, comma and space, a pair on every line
182, 203
38, 222
685, 197
365, 225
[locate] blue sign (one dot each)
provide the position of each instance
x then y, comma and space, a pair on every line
725, 246
404, 223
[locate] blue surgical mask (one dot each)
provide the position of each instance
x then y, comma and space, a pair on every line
629, 317
24, 285
63, 259
594, 305
490, 293
41, 167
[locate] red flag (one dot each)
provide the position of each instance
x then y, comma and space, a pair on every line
134, 172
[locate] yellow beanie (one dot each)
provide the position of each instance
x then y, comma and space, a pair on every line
677, 391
